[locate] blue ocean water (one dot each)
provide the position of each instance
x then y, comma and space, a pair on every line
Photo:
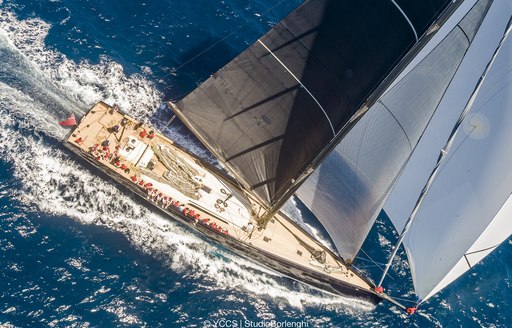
77, 252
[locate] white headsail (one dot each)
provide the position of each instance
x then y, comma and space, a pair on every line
411, 181
472, 188
464, 215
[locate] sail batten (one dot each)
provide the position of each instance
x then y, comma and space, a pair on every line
407, 19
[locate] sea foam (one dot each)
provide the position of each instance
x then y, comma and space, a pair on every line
56, 184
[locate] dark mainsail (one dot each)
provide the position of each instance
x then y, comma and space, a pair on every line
275, 108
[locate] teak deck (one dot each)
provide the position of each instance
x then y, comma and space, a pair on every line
210, 193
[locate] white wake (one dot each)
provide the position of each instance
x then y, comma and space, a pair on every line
40, 87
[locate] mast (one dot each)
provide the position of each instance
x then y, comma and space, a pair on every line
444, 152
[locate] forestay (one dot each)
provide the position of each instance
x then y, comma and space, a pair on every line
347, 191
269, 113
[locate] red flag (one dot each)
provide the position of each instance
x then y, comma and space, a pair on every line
69, 122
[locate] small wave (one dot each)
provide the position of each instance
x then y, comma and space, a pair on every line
78, 84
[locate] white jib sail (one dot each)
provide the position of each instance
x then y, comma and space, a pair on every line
408, 187
467, 211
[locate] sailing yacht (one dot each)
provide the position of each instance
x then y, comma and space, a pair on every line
329, 105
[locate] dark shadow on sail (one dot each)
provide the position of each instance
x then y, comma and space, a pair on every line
310, 223
297, 38
264, 101
255, 147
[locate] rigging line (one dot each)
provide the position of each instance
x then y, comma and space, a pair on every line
478, 111
363, 259
379, 265
219, 41
405, 300
468, 134
300, 82
370, 258
180, 96
445, 150
407, 19
368, 266
202, 52
396, 120
467, 261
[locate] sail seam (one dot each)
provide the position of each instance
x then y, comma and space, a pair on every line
299, 81
397, 121
406, 18
464, 32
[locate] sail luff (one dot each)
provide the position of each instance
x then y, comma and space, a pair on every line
411, 217
444, 151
